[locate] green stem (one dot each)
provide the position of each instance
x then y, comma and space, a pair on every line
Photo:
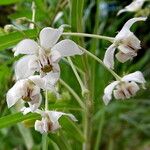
99, 134
77, 68
44, 142
46, 100
84, 90
33, 15
111, 39
73, 93
44, 136
101, 62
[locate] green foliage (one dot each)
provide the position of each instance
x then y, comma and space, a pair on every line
16, 118
8, 2
9, 40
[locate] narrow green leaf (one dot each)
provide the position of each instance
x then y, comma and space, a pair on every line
73, 18
8, 2
16, 118
13, 38
71, 129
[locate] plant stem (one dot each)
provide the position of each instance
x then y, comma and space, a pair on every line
46, 100
111, 39
77, 68
33, 15
73, 93
44, 136
44, 142
84, 90
99, 134
101, 62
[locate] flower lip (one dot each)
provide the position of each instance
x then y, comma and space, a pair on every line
27, 99
126, 88
47, 68
27, 96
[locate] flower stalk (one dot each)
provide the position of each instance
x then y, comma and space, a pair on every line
46, 99
84, 90
101, 62
33, 15
73, 93
111, 39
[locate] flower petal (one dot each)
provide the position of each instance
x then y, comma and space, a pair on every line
134, 6
67, 48
109, 56
37, 80
130, 22
25, 110
35, 103
39, 126
124, 57
51, 78
133, 88
108, 92
118, 94
47, 82
136, 76
15, 93
129, 41
121, 11
54, 117
128, 90
26, 46
49, 37
26, 66
55, 56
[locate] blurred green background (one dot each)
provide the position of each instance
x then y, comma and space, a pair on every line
120, 125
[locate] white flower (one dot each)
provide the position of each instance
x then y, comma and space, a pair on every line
49, 122
127, 43
44, 56
27, 91
133, 7
125, 88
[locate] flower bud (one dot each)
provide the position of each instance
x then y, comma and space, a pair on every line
9, 28
22, 20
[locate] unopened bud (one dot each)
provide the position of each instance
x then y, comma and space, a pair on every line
22, 20
9, 28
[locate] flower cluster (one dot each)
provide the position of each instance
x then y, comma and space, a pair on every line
40, 57
128, 45
39, 69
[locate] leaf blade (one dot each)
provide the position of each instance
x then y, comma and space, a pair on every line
12, 119
13, 38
